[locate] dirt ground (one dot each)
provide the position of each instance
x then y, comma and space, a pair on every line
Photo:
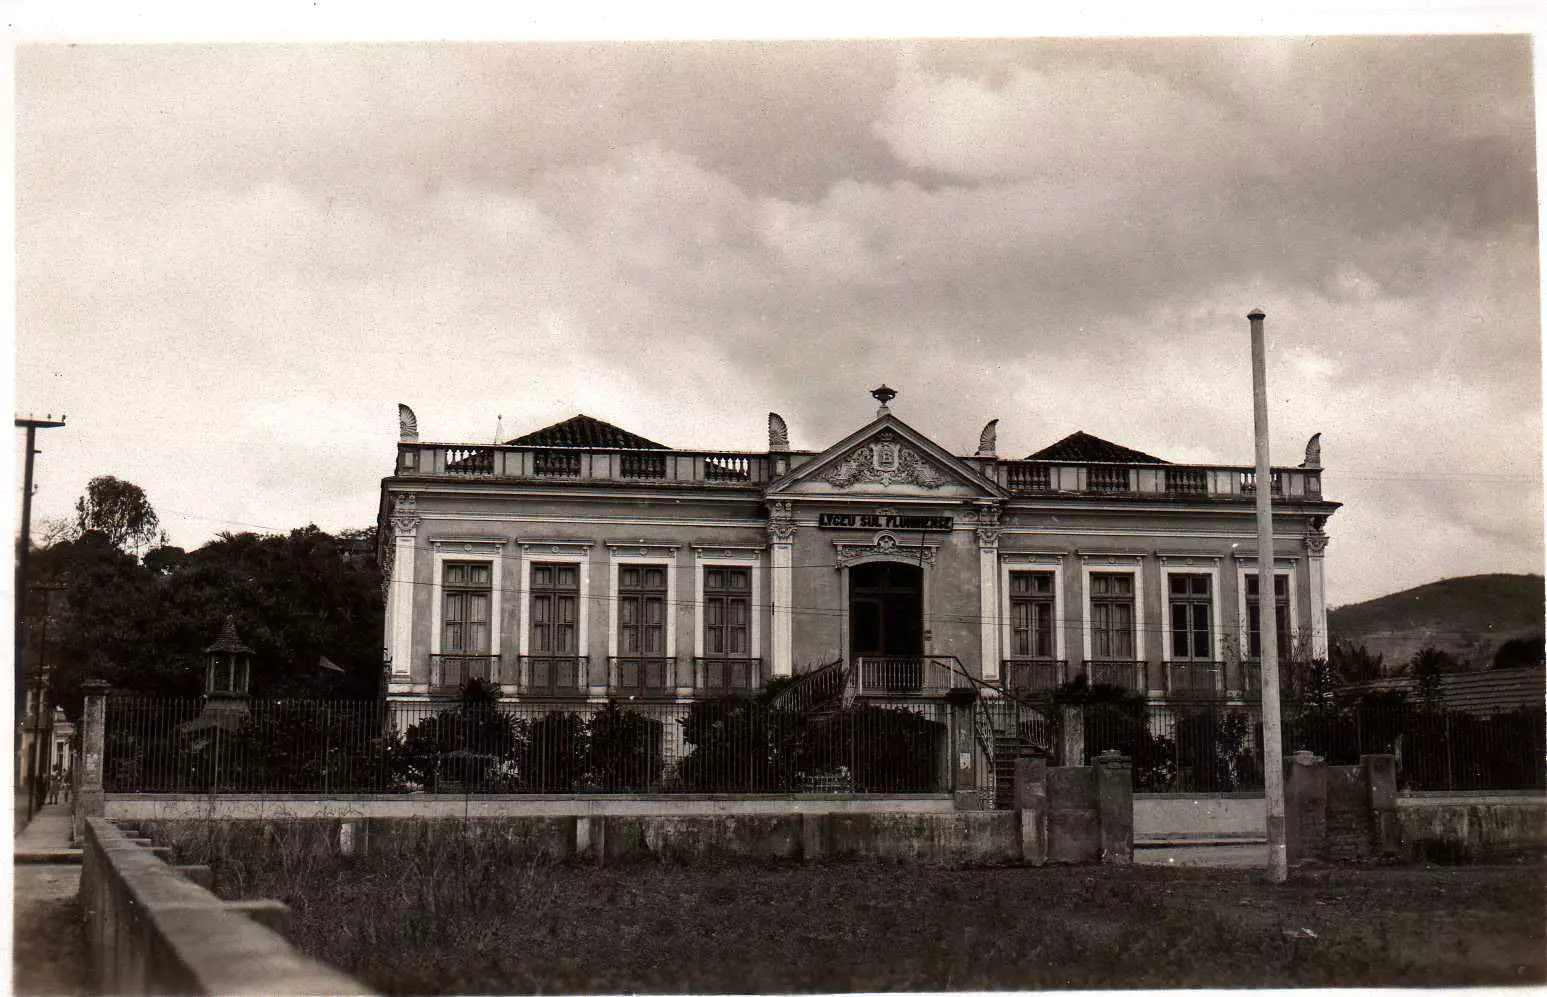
49, 953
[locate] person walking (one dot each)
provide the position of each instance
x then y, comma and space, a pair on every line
54, 779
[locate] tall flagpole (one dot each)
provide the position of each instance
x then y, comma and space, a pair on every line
1267, 619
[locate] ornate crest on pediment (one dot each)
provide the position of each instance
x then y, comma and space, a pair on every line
884, 460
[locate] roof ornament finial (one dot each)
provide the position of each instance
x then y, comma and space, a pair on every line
407, 425
778, 434
883, 394
988, 440
1312, 452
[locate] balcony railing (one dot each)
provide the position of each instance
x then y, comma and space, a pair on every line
1194, 679
1107, 479
596, 464
1251, 679
905, 675
1024, 677
723, 468
1028, 478
1123, 674
1187, 481
1174, 481
641, 678
727, 676
553, 675
451, 671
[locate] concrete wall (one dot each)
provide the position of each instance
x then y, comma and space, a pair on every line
1176, 816
151, 930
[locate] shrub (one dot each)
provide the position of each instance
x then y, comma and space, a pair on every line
625, 750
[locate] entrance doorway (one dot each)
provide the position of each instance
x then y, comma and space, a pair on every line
886, 624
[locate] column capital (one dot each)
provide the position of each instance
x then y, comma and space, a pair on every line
1316, 543
781, 521
988, 529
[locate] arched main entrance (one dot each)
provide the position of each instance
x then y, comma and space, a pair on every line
886, 623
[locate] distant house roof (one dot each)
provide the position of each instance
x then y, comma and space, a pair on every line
1082, 446
1490, 691
584, 431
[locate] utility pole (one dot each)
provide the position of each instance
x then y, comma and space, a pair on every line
1272, 719
23, 545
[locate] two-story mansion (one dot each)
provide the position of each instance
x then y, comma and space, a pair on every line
581, 562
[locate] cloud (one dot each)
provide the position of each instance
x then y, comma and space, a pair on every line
260, 250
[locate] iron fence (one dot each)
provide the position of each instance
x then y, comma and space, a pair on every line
1216, 746
728, 745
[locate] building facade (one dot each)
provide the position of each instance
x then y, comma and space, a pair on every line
582, 563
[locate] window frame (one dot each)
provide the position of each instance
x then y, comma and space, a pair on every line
448, 550
1131, 566
1248, 603
1042, 605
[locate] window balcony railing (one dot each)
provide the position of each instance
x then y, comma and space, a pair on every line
641, 678
1194, 679
1033, 677
906, 675
1123, 674
553, 675
451, 671
727, 676
1251, 678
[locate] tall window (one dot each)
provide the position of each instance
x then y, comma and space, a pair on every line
727, 612
1111, 616
1191, 607
1280, 616
642, 611
555, 614
1031, 614
467, 588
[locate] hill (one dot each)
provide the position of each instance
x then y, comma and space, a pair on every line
1469, 617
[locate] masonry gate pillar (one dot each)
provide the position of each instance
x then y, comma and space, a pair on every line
963, 753
89, 799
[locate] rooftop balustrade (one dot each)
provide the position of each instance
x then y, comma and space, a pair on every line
740, 469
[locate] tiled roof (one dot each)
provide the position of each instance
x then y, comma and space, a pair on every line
1473, 692
584, 431
1082, 446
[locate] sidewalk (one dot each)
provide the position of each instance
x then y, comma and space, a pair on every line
49, 942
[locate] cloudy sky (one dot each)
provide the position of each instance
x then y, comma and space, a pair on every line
234, 260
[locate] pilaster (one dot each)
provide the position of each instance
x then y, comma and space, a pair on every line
400, 605
988, 529
1316, 547
781, 543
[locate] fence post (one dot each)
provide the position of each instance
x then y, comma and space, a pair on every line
1114, 806
90, 799
1305, 806
1071, 736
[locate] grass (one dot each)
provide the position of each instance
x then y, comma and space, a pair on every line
476, 916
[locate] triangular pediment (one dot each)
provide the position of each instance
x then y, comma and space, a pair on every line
887, 457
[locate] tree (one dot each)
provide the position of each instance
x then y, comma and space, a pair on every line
1354, 664
120, 511
1426, 667
1521, 652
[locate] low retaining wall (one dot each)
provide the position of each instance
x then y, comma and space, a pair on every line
147, 806
1470, 829
152, 930
1074, 814
1343, 813
1160, 817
